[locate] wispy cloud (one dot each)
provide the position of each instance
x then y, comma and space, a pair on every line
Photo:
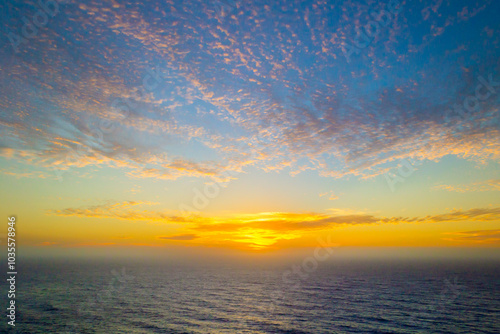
331, 195
180, 168
128, 210
180, 237
488, 185
482, 236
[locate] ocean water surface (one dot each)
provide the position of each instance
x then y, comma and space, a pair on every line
84, 296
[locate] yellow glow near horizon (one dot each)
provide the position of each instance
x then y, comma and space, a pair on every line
262, 231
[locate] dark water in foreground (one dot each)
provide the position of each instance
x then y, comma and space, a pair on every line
355, 297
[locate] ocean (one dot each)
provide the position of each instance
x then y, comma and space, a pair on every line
375, 296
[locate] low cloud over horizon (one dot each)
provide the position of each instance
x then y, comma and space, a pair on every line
267, 227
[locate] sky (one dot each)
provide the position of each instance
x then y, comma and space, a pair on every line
250, 125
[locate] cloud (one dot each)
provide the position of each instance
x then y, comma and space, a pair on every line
183, 168
488, 185
126, 210
477, 214
482, 236
471, 215
271, 96
262, 229
332, 196
33, 174
181, 237
283, 221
